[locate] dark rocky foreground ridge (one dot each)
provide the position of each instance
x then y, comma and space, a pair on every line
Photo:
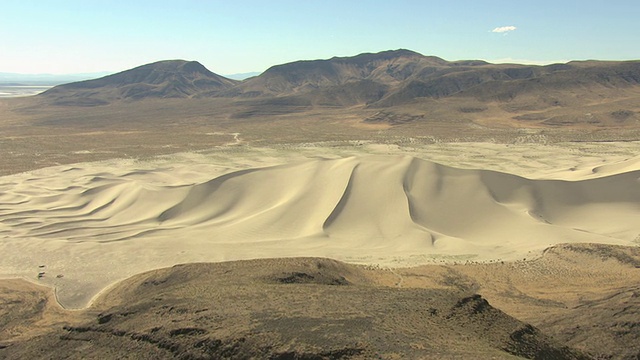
582, 300
305, 308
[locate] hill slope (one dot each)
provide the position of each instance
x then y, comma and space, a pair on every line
408, 82
287, 309
163, 79
401, 76
385, 68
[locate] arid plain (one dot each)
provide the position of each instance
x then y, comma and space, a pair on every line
386, 205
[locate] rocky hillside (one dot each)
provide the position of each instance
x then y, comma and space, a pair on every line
164, 79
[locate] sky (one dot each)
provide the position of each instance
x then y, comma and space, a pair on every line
228, 37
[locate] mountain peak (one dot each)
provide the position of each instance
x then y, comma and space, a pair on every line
379, 70
386, 55
175, 65
153, 73
162, 79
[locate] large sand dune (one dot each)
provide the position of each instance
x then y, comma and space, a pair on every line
387, 210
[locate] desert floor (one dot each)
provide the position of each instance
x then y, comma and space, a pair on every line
85, 226
547, 233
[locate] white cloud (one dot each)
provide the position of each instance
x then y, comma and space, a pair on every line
504, 29
525, 61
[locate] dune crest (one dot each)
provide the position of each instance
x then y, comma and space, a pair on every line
388, 210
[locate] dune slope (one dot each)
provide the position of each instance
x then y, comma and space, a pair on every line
388, 210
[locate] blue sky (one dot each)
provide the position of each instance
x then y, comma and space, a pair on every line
68, 36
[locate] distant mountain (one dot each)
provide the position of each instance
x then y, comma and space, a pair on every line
384, 69
242, 76
375, 80
401, 76
46, 79
505, 82
163, 79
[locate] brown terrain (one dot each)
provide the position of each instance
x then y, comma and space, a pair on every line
576, 300
387, 97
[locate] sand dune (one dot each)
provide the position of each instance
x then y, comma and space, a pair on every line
388, 210
618, 167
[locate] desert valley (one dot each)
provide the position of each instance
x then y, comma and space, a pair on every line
385, 205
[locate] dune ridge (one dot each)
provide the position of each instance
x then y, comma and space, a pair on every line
388, 210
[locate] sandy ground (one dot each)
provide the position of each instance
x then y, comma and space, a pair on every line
83, 227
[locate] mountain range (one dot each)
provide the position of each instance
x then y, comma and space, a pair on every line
374, 79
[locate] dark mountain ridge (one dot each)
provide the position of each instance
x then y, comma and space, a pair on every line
388, 78
385, 68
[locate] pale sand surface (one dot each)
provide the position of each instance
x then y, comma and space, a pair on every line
93, 224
